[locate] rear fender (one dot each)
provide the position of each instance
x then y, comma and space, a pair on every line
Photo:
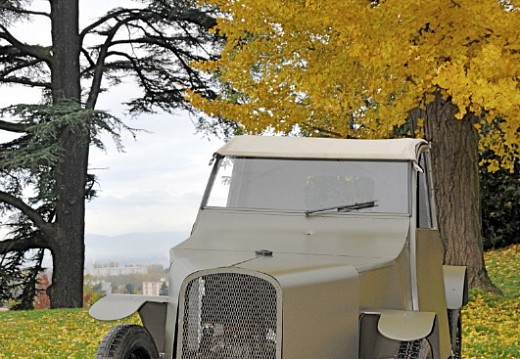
456, 286
151, 309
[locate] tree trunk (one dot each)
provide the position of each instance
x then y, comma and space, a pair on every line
66, 290
65, 70
455, 162
67, 247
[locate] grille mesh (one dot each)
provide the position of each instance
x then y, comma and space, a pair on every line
228, 316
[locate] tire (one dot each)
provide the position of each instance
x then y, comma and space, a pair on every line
455, 320
416, 349
127, 341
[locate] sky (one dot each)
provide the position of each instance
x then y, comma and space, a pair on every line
157, 183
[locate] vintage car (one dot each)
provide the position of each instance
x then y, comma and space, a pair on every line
304, 248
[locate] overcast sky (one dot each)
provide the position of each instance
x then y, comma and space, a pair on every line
157, 183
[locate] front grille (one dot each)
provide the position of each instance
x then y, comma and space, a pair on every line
228, 316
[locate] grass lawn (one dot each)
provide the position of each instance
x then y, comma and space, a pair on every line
490, 324
52, 334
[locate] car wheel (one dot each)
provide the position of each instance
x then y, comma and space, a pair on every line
416, 349
455, 320
127, 341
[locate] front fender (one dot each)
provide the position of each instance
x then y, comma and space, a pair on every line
395, 326
119, 306
403, 325
151, 309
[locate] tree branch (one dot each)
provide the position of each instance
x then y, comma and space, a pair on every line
322, 130
135, 66
88, 57
23, 11
111, 23
13, 127
17, 67
22, 245
26, 82
28, 211
200, 18
100, 64
104, 19
39, 52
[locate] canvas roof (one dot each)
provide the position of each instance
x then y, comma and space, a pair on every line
309, 147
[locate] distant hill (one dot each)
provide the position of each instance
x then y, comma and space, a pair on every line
131, 248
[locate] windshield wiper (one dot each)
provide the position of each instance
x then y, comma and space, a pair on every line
344, 208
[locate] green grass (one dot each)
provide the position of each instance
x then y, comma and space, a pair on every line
491, 328
42, 334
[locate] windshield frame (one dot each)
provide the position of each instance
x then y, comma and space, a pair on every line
217, 162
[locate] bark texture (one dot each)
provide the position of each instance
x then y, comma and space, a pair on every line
455, 162
67, 245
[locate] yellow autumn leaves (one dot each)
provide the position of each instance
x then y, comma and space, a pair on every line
51, 334
356, 69
490, 322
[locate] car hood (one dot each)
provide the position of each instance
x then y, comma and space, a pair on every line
291, 238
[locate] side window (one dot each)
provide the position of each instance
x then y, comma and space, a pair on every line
425, 206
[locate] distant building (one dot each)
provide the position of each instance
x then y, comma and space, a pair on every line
101, 286
42, 300
106, 287
152, 288
113, 271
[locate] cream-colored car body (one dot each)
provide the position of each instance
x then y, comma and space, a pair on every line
286, 283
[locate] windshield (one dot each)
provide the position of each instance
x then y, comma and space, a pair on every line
310, 185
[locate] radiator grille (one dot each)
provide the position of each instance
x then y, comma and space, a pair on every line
228, 316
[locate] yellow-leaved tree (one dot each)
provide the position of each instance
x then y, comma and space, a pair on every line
447, 70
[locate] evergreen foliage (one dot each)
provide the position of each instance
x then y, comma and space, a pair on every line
18, 278
43, 170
